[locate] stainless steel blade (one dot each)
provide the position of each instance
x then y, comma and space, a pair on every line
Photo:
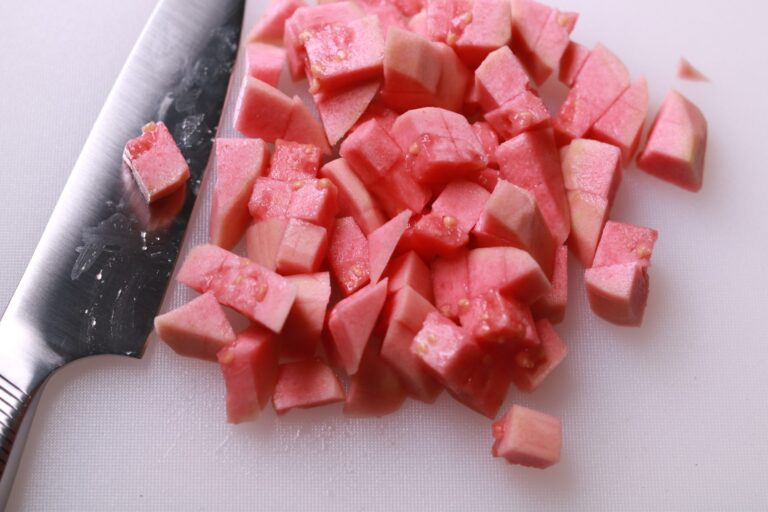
99, 273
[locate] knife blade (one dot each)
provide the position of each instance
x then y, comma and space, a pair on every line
99, 273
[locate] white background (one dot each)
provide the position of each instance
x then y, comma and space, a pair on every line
671, 416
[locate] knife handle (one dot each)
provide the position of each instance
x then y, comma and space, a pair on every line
16, 411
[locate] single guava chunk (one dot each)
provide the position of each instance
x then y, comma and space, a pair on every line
305, 384
527, 437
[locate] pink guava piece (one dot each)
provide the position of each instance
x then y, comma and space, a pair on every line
340, 110
463, 201
623, 123
354, 198
499, 78
156, 162
302, 249
262, 111
270, 199
314, 201
592, 174
304, 127
398, 191
624, 243
389, 15
305, 21
294, 161
551, 44
618, 293
571, 62
488, 139
348, 256
351, 323
499, 325
262, 241
410, 64
534, 364
686, 71
270, 27
344, 53
552, 305
447, 19
370, 152
510, 270
382, 243
408, 7
197, 329
375, 390
409, 310
490, 28
512, 217
410, 270
450, 284
528, 20
524, 112
438, 235
246, 287
264, 62
418, 24
301, 334
602, 79
488, 178
238, 163
454, 79
305, 384
249, 366
676, 144
531, 161
528, 438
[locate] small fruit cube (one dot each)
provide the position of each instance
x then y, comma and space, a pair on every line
305, 384
265, 62
624, 243
410, 270
262, 111
301, 334
527, 437
294, 161
354, 198
552, 305
370, 152
302, 249
382, 243
510, 270
618, 293
262, 241
571, 62
340, 110
623, 123
534, 364
450, 283
313, 201
524, 112
500, 78
270, 26
348, 256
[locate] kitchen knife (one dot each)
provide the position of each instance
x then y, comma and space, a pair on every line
99, 273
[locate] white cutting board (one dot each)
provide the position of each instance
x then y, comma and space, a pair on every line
671, 416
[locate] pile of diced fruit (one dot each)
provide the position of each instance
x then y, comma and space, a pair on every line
414, 239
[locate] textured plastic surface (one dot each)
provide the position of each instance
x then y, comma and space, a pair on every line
671, 416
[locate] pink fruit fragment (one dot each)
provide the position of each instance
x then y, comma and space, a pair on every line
344, 53
510, 270
624, 243
370, 152
571, 62
262, 111
534, 364
271, 24
348, 256
450, 283
410, 64
197, 329
686, 71
461, 202
551, 44
340, 110
305, 384
251, 289
375, 390
302, 249
382, 243
488, 139
262, 241
530, 161
408, 313
524, 112
351, 323
294, 161
600, 82
301, 334
528, 20
676, 143
552, 305
499, 78
156, 162
527, 437
501, 326
304, 127
270, 199
623, 123
314, 201
238, 163
512, 217
264, 62
249, 367
592, 174
618, 293
489, 28
354, 198
410, 270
